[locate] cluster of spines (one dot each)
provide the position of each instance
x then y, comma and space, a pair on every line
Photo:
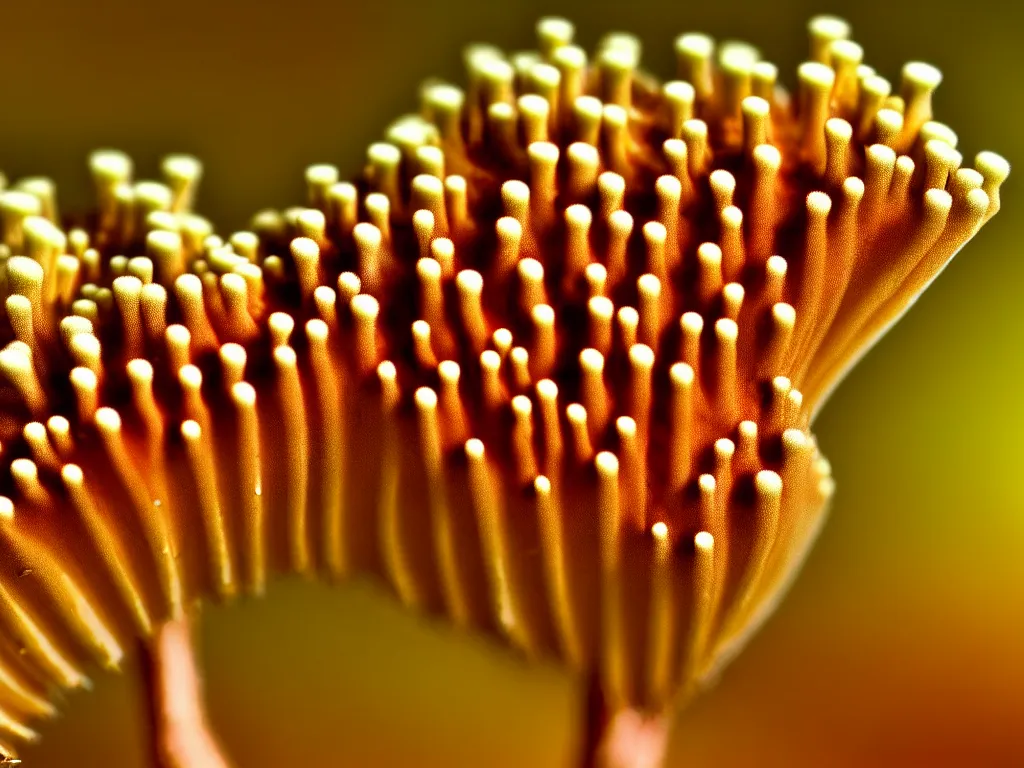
579, 430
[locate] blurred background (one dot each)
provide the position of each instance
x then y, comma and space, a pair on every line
902, 643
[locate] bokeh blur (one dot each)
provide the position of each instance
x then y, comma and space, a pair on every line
902, 643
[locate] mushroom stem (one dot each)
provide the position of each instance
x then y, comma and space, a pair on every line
622, 738
180, 736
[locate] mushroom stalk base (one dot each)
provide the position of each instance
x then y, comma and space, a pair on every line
179, 734
622, 738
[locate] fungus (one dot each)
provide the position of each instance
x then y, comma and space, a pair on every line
547, 369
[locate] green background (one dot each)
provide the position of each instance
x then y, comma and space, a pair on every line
902, 643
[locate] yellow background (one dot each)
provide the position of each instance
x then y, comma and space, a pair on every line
902, 643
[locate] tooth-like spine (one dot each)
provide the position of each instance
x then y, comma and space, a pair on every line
662, 627
494, 540
440, 511
705, 586
250, 485
615, 672
204, 475
24, 698
107, 545
76, 610
330, 446
154, 522
25, 630
393, 549
550, 524
768, 492
296, 456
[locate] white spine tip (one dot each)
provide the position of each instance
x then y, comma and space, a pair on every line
991, 163
449, 370
591, 358
922, 74
704, 541
819, 202
784, 313
768, 482
107, 419
426, 397
726, 329
244, 394
794, 438
474, 448
831, 27
695, 43
641, 355
365, 305
681, 373
816, 74
607, 463
547, 389
470, 280
190, 430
